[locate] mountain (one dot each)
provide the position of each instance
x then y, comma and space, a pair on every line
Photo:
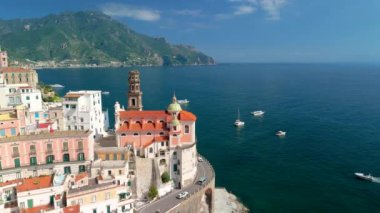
89, 38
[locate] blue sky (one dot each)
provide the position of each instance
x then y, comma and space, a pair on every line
241, 30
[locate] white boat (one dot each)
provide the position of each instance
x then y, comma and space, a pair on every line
238, 122
56, 85
257, 113
105, 93
184, 101
280, 133
363, 176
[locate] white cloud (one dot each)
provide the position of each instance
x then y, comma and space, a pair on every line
187, 12
272, 7
244, 9
122, 10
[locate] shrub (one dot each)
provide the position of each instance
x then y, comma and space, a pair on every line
152, 192
165, 177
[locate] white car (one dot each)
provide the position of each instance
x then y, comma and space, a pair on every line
182, 194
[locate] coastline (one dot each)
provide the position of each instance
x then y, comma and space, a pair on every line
226, 202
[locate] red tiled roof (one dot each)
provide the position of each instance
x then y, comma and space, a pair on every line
10, 182
36, 209
29, 184
187, 116
80, 176
15, 69
143, 114
72, 209
73, 95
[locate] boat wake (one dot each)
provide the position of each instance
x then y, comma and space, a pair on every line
376, 180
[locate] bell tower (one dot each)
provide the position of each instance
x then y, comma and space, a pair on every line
134, 92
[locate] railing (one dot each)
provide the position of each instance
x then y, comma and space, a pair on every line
79, 149
31, 153
15, 154
49, 151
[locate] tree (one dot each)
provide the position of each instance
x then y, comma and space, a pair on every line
152, 192
165, 177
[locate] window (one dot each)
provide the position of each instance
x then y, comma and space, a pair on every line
49, 147
80, 201
36, 97
65, 146
114, 156
73, 106
107, 156
81, 156
82, 168
2, 132
36, 115
67, 170
81, 127
13, 131
93, 198
162, 143
27, 98
150, 150
108, 195
67, 106
135, 134
33, 161
161, 133
80, 145
123, 156
1, 178
22, 205
187, 129
66, 157
120, 172
35, 173
93, 210
149, 122
82, 120
15, 151
167, 143
123, 134
149, 133
18, 175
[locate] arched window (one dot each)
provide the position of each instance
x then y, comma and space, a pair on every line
175, 135
187, 129
149, 133
161, 121
126, 122
135, 134
123, 134
149, 122
161, 133
138, 122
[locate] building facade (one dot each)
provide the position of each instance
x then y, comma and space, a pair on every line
64, 152
167, 136
3, 59
18, 75
82, 110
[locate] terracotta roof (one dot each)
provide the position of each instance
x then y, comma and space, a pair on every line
143, 114
15, 69
187, 116
35, 183
81, 176
73, 95
72, 209
37, 209
10, 182
156, 140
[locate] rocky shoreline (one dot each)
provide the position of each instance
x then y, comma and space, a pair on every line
226, 202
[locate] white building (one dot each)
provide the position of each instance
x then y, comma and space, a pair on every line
82, 110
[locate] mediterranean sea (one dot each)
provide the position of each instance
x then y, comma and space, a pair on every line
331, 113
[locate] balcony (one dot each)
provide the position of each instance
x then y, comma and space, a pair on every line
15, 154
79, 149
49, 152
32, 153
65, 149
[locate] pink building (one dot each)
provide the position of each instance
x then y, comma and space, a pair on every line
12, 122
65, 152
3, 59
166, 136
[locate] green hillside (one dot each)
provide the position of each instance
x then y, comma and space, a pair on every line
89, 38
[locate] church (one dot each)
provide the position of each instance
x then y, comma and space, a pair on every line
167, 136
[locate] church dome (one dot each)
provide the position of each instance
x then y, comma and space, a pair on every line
174, 106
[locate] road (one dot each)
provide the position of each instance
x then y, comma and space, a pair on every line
169, 201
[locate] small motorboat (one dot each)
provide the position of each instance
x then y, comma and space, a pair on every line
257, 113
238, 122
105, 93
363, 176
56, 85
184, 101
280, 133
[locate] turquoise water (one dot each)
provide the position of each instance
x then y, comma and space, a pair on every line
331, 113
